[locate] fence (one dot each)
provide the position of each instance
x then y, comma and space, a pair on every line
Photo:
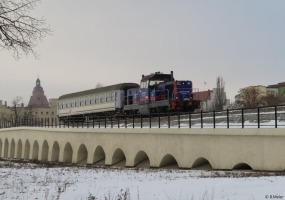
261, 117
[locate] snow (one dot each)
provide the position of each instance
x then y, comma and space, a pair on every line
35, 181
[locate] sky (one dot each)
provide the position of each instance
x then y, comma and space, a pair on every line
110, 42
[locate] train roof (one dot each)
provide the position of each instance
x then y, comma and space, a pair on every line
120, 86
158, 76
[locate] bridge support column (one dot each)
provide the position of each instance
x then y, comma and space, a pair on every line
61, 152
108, 160
90, 159
74, 157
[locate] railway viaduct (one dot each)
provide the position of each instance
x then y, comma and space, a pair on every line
257, 149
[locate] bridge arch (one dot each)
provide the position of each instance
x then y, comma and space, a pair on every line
45, 148
35, 154
55, 152
119, 157
6, 147
19, 149
168, 161
27, 150
12, 148
82, 155
242, 166
202, 163
142, 160
99, 155
67, 153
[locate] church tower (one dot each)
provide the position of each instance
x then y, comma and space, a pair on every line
38, 99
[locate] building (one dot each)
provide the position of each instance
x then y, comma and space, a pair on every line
207, 99
274, 93
38, 98
38, 107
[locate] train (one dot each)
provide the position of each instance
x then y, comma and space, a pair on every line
157, 92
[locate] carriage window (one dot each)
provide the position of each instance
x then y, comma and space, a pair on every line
102, 98
109, 97
60, 106
72, 103
92, 100
82, 101
97, 99
87, 100
77, 102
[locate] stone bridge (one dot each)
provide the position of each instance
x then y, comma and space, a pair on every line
257, 149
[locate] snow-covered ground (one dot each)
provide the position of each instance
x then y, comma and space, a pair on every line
31, 181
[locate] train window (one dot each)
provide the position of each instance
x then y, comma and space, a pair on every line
92, 100
97, 99
72, 103
82, 101
112, 96
87, 100
144, 84
109, 97
102, 98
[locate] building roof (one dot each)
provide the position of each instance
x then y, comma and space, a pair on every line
38, 98
203, 95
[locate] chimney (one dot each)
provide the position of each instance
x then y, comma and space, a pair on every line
172, 78
6, 104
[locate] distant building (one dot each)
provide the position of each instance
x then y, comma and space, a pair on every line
38, 107
207, 99
277, 90
38, 98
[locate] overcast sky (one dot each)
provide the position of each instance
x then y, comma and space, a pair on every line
109, 42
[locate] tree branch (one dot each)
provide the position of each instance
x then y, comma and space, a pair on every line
19, 31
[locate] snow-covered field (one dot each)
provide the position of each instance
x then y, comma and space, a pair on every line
35, 181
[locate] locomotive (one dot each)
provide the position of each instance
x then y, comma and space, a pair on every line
157, 92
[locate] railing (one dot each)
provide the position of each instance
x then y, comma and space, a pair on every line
261, 117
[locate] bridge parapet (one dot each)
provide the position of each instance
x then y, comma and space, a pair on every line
259, 149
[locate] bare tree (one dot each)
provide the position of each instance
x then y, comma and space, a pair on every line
274, 100
250, 97
220, 96
19, 31
17, 107
99, 85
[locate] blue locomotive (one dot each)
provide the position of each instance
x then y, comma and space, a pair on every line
160, 92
